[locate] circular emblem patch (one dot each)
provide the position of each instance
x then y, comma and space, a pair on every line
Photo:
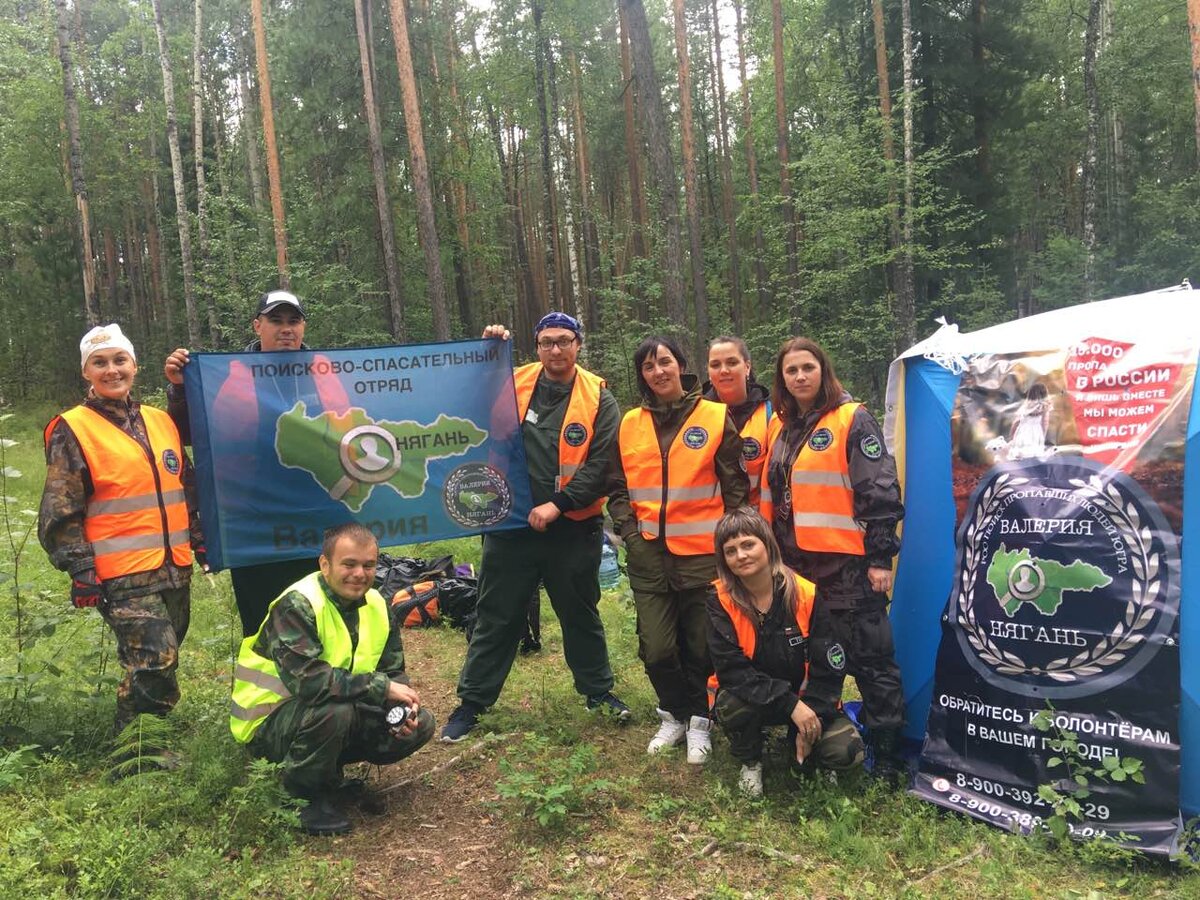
751, 449
1065, 573
477, 496
171, 461
575, 434
871, 447
836, 657
822, 439
695, 437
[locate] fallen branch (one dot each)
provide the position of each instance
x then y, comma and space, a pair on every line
978, 851
474, 749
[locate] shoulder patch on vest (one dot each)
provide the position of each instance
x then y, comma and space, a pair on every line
822, 439
751, 449
575, 434
695, 437
871, 447
836, 657
170, 461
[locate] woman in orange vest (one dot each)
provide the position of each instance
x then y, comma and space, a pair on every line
118, 514
833, 500
731, 381
759, 612
678, 469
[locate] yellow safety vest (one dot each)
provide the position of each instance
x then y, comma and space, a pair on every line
257, 688
578, 428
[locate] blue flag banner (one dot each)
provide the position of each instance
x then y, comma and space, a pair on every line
418, 443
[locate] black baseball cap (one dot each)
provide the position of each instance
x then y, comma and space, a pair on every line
274, 299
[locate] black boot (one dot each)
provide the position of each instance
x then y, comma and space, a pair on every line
322, 817
888, 764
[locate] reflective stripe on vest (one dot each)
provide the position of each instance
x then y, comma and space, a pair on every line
137, 509
580, 416
754, 448
691, 492
822, 496
766, 505
257, 688
747, 633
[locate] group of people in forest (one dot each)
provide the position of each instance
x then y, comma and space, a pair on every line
759, 528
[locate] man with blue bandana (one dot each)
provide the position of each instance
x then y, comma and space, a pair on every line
569, 424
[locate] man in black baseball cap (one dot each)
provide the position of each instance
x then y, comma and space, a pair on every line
278, 324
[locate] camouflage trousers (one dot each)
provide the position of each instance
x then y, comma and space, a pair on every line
314, 741
149, 630
839, 748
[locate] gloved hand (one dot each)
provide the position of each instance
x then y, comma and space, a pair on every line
201, 555
86, 589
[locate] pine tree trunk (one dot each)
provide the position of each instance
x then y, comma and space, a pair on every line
181, 210
728, 212
83, 226
249, 129
274, 183
426, 223
205, 288
1091, 153
690, 187
540, 52
590, 281
906, 318
765, 301
383, 203
464, 276
654, 128
1193, 9
637, 194
792, 265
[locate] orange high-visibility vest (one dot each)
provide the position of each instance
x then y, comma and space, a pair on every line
755, 446
822, 496
675, 495
578, 428
747, 633
137, 509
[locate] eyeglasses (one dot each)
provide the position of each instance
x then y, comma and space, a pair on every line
561, 343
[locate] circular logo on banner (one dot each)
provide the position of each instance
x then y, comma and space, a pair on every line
695, 437
575, 434
751, 449
871, 447
1068, 576
477, 496
170, 461
836, 657
822, 439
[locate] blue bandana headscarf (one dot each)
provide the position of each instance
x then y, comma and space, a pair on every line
558, 320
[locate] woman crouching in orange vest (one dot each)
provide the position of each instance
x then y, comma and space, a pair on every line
760, 612
678, 469
118, 514
833, 500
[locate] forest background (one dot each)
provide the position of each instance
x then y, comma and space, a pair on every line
845, 169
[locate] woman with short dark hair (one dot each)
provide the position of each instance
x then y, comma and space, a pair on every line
678, 469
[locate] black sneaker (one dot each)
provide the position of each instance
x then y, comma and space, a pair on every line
320, 817
461, 722
610, 705
529, 645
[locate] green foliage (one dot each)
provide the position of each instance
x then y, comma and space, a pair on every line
15, 764
549, 787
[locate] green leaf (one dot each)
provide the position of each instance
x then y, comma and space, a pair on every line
1054, 761
1111, 763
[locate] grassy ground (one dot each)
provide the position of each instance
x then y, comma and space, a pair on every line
550, 801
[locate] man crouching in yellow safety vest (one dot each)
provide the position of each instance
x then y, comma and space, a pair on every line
322, 682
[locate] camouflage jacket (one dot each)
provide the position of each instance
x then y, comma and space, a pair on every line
288, 637
64, 502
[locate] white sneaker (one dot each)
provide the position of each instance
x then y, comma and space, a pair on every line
670, 733
750, 781
699, 741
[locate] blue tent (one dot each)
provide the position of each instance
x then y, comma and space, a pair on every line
921, 390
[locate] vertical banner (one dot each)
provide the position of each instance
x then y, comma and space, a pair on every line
1068, 478
418, 443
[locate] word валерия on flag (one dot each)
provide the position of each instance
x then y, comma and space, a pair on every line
418, 443
1066, 440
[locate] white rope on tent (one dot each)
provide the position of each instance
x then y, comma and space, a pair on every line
940, 348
